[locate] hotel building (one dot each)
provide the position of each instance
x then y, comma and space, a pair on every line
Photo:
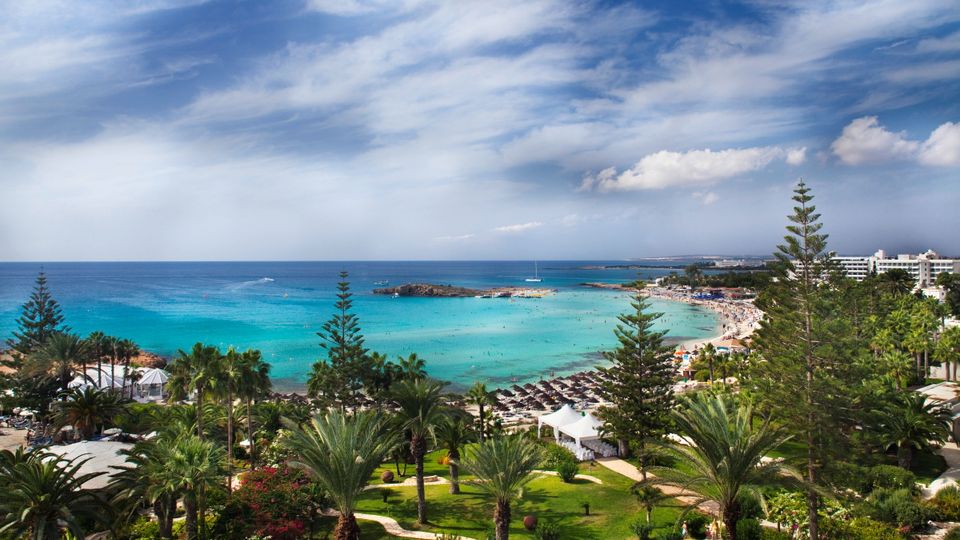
923, 268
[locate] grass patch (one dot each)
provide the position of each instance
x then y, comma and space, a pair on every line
470, 514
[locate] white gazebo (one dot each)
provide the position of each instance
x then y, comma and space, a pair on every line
151, 383
561, 417
587, 428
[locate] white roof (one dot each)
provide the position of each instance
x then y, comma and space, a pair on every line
588, 427
153, 376
561, 417
103, 457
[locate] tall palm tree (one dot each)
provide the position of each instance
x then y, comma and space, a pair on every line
57, 358
896, 282
502, 466
148, 478
199, 372
126, 351
453, 433
648, 496
254, 384
196, 466
341, 453
708, 354
412, 367
231, 373
97, 343
420, 409
42, 495
947, 351
87, 409
724, 456
909, 423
481, 397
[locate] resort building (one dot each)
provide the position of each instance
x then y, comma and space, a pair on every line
923, 268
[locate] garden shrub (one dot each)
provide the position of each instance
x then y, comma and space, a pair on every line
863, 528
896, 507
750, 507
273, 502
641, 528
567, 471
670, 535
697, 524
144, 529
773, 534
555, 455
891, 477
946, 504
547, 530
749, 529
953, 534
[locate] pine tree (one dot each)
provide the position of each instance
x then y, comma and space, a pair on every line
639, 383
805, 344
338, 379
41, 317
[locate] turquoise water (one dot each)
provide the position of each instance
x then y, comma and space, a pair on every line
278, 308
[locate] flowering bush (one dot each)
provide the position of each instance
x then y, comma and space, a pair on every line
274, 502
790, 509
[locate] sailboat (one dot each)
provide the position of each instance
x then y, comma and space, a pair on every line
536, 275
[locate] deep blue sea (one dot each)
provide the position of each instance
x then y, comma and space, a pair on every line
278, 307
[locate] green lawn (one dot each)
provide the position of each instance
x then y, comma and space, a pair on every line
470, 514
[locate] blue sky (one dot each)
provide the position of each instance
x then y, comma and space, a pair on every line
409, 129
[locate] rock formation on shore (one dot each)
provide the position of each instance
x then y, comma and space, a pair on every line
428, 289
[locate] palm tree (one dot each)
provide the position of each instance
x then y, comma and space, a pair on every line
453, 433
148, 478
126, 350
97, 343
42, 495
86, 410
896, 282
198, 371
57, 358
724, 456
648, 496
948, 351
420, 409
502, 466
479, 396
231, 373
196, 466
341, 453
911, 423
254, 383
708, 354
412, 367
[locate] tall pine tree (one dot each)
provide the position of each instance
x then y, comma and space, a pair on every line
639, 383
41, 317
338, 379
803, 377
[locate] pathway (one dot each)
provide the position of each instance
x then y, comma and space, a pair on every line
627, 469
412, 482
950, 477
394, 528
586, 477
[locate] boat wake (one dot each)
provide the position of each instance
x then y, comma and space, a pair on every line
247, 284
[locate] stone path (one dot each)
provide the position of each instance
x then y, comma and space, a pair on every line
412, 481
392, 527
627, 469
950, 477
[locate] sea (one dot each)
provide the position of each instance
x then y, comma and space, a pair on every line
278, 307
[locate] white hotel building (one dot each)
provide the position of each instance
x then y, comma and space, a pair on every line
923, 268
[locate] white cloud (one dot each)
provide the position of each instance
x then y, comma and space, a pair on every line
948, 43
455, 238
665, 169
864, 140
519, 227
942, 148
796, 156
707, 198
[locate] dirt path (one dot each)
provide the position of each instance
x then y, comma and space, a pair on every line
627, 469
394, 528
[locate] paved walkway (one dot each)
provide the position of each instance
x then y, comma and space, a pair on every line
951, 476
586, 477
411, 482
394, 528
627, 469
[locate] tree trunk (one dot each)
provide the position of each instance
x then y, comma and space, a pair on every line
347, 528
253, 447
623, 448
642, 459
926, 365
731, 515
190, 505
419, 444
200, 413
904, 456
229, 443
202, 512
454, 477
482, 421
710, 364
501, 520
99, 371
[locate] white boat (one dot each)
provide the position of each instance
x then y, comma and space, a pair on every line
536, 275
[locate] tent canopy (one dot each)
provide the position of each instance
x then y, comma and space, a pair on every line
561, 417
153, 376
587, 428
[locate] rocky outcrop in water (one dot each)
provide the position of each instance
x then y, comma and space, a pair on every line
428, 289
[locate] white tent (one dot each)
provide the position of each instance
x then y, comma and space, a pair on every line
151, 382
585, 429
561, 417
103, 456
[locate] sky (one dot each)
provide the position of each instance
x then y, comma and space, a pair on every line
413, 129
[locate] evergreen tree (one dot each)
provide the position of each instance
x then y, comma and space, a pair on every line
41, 318
338, 379
803, 343
639, 383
